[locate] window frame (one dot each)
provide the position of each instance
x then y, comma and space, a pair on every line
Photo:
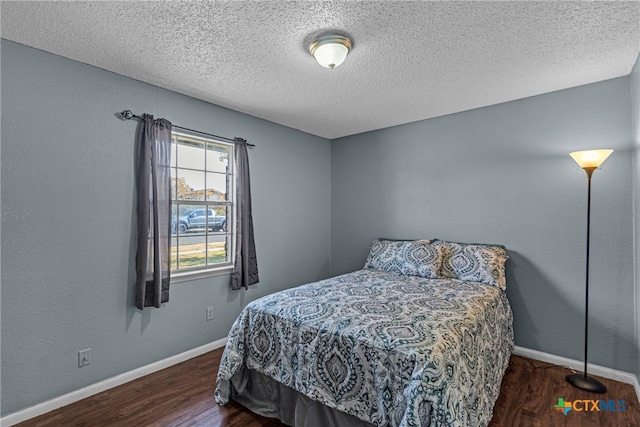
198, 272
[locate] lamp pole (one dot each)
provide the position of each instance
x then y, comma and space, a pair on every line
589, 172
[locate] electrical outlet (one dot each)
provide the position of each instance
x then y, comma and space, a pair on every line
209, 313
84, 358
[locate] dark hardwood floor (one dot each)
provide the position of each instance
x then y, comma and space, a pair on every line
182, 395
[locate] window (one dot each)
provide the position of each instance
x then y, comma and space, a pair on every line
202, 189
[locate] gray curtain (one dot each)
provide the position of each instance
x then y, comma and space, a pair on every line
154, 212
245, 268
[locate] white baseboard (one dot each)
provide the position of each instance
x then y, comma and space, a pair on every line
74, 396
601, 371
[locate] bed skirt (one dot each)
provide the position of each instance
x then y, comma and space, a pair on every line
269, 398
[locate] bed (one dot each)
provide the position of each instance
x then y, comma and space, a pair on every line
421, 336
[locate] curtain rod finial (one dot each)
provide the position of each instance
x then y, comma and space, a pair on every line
126, 114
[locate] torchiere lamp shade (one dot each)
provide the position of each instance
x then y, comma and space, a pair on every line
590, 158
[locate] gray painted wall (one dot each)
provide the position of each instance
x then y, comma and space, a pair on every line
67, 199
503, 174
635, 121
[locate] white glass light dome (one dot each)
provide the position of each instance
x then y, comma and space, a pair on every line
330, 51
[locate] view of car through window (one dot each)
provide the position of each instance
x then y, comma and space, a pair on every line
199, 219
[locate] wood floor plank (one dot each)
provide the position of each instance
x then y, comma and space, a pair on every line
182, 396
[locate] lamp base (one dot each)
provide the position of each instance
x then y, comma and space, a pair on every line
586, 383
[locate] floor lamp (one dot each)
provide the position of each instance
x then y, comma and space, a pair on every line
588, 160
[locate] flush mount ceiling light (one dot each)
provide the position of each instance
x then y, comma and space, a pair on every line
330, 51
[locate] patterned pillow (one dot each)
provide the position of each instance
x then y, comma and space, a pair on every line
410, 258
474, 263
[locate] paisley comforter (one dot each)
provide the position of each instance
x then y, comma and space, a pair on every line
386, 348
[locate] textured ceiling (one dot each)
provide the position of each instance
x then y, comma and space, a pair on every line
410, 61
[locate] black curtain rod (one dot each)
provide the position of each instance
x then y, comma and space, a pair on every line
128, 115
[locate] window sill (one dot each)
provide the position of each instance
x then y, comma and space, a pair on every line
187, 276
